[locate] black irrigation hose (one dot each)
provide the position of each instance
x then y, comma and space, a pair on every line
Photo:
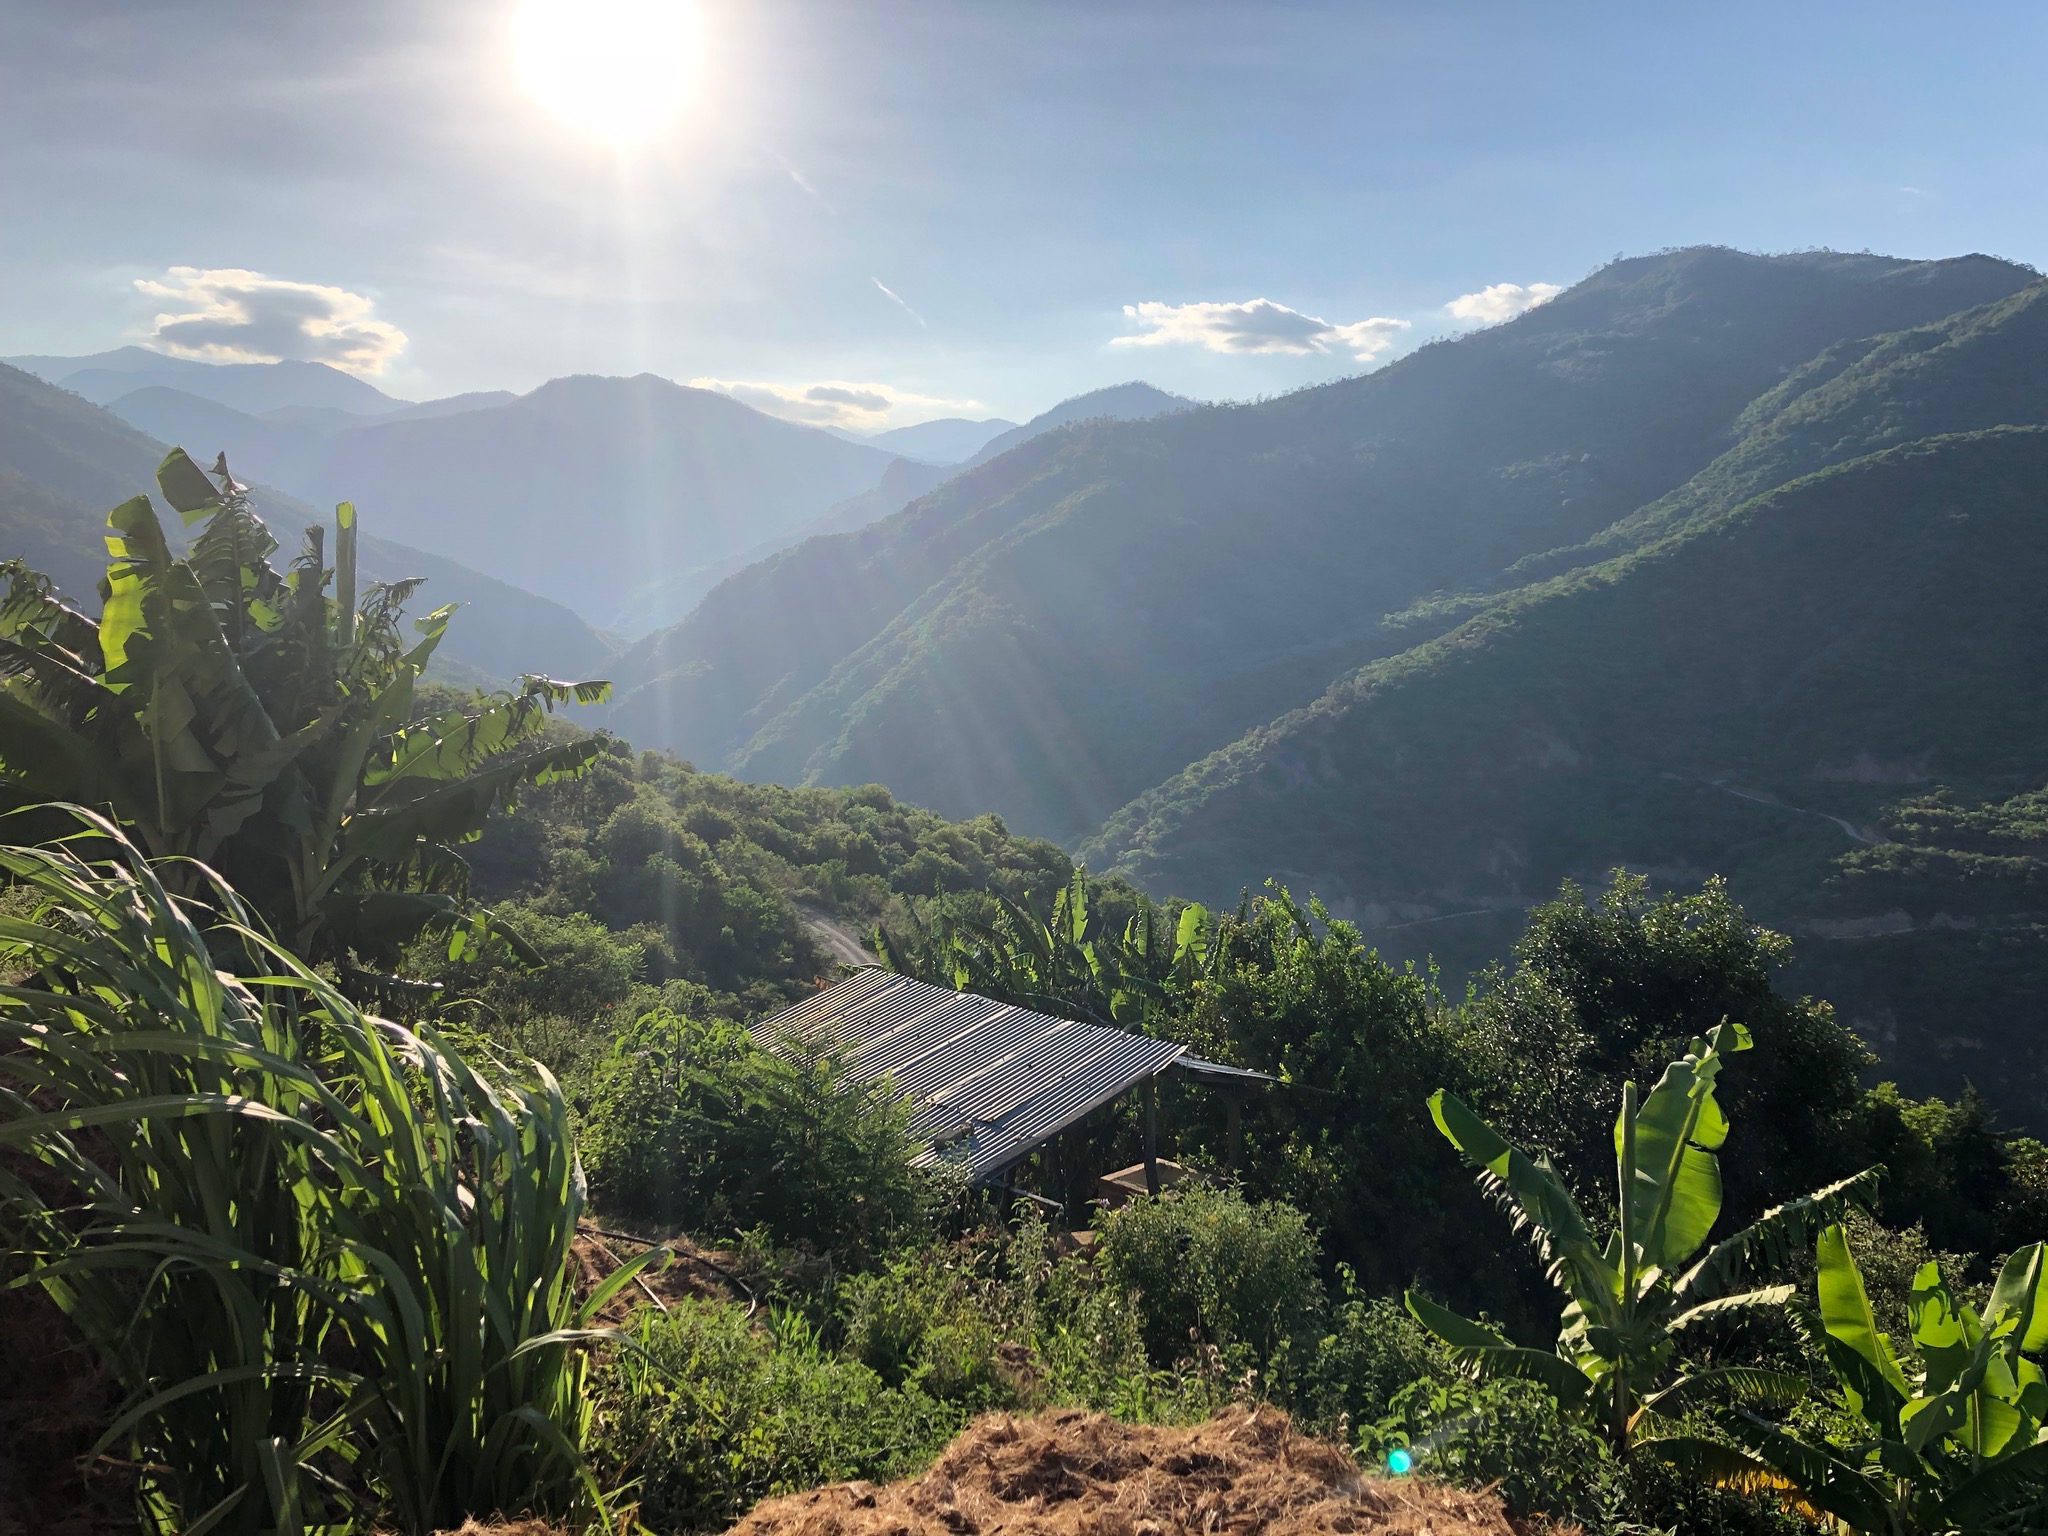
753, 1302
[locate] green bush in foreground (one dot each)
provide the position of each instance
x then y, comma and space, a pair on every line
724, 1413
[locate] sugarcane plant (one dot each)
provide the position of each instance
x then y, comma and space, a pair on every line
1633, 1301
261, 722
325, 1258
1957, 1443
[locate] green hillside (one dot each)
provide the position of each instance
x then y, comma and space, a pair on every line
1747, 696
1982, 367
1051, 633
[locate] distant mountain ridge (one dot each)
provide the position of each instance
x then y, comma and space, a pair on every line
671, 488
64, 462
1135, 401
949, 440
106, 376
594, 490
1058, 629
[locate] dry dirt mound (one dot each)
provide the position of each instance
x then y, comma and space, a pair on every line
1079, 1474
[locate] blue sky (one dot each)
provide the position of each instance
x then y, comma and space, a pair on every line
1013, 174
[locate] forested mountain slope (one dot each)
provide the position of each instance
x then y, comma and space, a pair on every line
64, 462
1056, 630
1745, 696
1982, 367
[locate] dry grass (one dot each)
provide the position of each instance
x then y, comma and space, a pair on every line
1244, 1473
1079, 1474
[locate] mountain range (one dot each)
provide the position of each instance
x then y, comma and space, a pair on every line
65, 461
1058, 629
949, 440
668, 487
1714, 564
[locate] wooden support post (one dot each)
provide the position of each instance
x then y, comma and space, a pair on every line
1233, 1131
1151, 1135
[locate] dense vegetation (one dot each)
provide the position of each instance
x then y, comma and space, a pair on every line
362, 1024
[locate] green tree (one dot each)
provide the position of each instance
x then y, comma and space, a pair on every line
1067, 960
1605, 989
1212, 1269
1284, 988
1630, 1302
246, 718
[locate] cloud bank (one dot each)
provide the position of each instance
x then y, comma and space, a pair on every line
232, 315
836, 403
1501, 301
1257, 325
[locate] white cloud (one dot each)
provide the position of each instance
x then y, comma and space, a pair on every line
231, 315
837, 403
1367, 339
1257, 325
1501, 301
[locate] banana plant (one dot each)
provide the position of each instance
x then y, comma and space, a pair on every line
1631, 1302
261, 721
1054, 962
1958, 1445
1063, 961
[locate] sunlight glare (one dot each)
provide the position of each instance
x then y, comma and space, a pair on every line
617, 70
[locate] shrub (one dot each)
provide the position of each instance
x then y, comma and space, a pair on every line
697, 1125
1212, 1269
721, 1413
1505, 1433
931, 1320
1352, 1374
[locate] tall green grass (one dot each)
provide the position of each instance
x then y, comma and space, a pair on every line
326, 1257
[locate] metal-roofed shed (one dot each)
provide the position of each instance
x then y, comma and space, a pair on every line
988, 1082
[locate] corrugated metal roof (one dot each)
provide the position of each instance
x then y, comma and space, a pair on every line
987, 1081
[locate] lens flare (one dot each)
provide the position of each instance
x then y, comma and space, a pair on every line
617, 70
1400, 1462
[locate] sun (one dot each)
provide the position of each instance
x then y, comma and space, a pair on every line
618, 70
